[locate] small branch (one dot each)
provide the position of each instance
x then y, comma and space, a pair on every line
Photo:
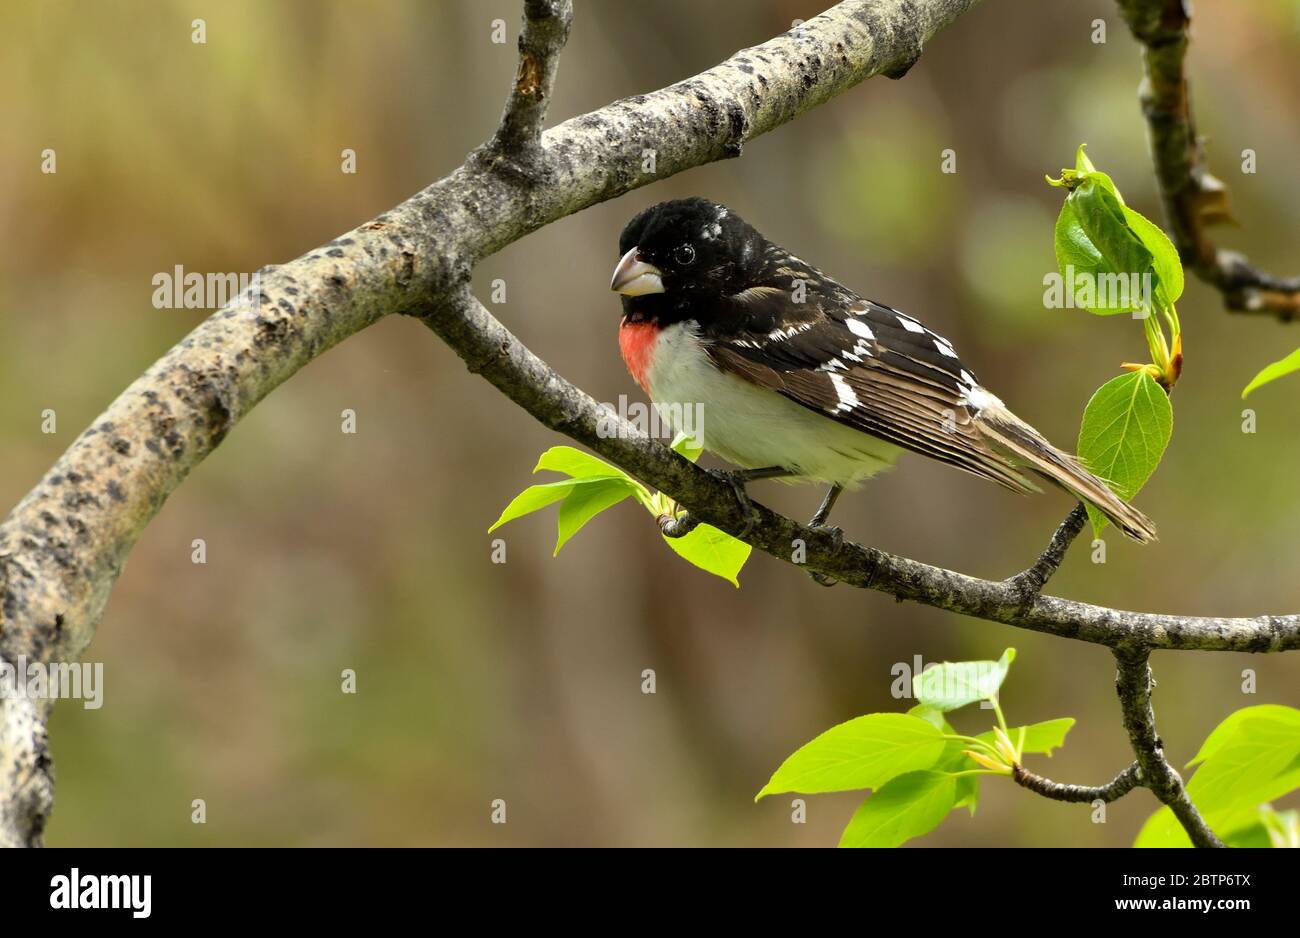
491, 350
1193, 199
1116, 788
518, 139
1030, 582
1133, 683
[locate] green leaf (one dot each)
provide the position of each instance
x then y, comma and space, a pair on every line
686, 447
536, 497
1254, 837
1082, 164
1276, 829
932, 716
604, 485
713, 551
1163, 830
1038, 737
1231, 727
954, 759
1093, 234
1164, 256
1282, 827
1274, 371
951, 685
1101, 237
1258, 762
1043, 737
576, 463
1126, 427
908, 806
865, 752
1075, 249
584, 502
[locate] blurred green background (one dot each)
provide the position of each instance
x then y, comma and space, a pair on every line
369, 551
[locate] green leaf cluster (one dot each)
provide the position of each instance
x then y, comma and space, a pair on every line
1128, 422
916, 765
593, 485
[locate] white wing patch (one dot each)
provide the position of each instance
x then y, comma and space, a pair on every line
860, 329
978, 399
848, 399
944, 346
778, 335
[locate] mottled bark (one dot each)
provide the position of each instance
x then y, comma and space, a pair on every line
1133, 683
1116, 788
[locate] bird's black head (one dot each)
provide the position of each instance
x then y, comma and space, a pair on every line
678, 258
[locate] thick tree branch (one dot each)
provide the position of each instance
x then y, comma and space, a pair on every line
1133, 683
1193, 199
63, 546
1116, 788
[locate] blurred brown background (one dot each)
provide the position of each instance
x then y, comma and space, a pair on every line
522, 681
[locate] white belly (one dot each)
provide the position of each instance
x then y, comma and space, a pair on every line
751, 426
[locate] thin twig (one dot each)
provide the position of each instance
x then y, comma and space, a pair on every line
1193, 199
518, 138
1116, 788
1030, 582
1133, 683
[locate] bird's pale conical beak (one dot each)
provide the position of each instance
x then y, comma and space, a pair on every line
634, 277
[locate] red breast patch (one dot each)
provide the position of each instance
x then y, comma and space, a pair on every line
636, 340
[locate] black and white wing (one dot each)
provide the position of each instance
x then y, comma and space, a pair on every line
877, 370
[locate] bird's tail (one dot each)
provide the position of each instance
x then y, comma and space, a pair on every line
1011, 435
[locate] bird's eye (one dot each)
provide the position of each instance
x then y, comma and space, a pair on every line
684, 255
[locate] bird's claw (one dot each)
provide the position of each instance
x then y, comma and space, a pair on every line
837, 533
737, 482
675, 526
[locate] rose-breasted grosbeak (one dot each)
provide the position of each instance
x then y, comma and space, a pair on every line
802, 379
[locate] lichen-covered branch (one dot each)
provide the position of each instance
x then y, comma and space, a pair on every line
63, 546
1193, 199
1116, 788
1133, 683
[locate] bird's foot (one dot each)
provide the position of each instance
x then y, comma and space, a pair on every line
737, 479
676, 526
822, 579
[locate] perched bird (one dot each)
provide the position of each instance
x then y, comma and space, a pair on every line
802, 379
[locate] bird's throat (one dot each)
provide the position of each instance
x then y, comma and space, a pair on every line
637, 340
